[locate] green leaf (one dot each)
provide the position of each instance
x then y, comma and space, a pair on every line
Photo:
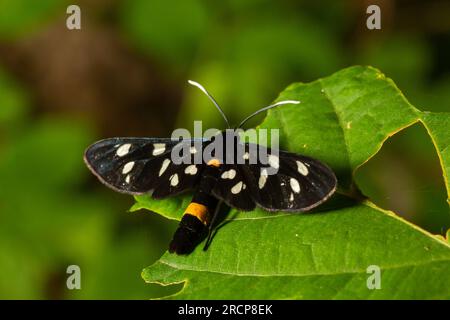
312, 256
437, 125
342, 120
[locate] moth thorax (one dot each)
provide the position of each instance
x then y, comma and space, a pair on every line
230, 146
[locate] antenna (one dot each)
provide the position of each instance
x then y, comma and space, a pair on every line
198, 85
267, 108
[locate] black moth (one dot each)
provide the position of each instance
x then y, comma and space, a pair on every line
145, 165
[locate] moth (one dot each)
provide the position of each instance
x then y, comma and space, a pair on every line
243, 181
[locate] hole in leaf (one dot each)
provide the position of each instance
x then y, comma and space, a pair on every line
405, 176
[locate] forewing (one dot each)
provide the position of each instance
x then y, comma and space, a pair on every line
139, 165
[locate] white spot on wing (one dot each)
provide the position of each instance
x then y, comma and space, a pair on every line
237, 188
159, 148
192, 150
302, 168
123, 149
262, 179
127, 179
291, 198
192, 169
230, 174
246, 156
174, 180
128, 167
164, 166
295, 186
274, 161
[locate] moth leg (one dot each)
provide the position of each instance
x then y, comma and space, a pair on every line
211, 225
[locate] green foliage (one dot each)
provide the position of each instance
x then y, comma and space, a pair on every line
18, 17
14, 106
438, 125
48, 221
167, 31
238, 49
342, 120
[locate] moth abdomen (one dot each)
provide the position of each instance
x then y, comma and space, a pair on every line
189, 234
194, 224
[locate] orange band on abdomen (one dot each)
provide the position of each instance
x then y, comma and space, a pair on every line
199, 211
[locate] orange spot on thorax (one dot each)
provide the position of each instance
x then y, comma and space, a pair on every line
214, 163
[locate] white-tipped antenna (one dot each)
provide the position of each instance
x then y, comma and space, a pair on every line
267, 108
198, 85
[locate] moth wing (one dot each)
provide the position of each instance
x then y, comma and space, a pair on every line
176, 178
138, 165
300, 184
233, 188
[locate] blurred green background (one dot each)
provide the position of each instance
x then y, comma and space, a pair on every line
124, 74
